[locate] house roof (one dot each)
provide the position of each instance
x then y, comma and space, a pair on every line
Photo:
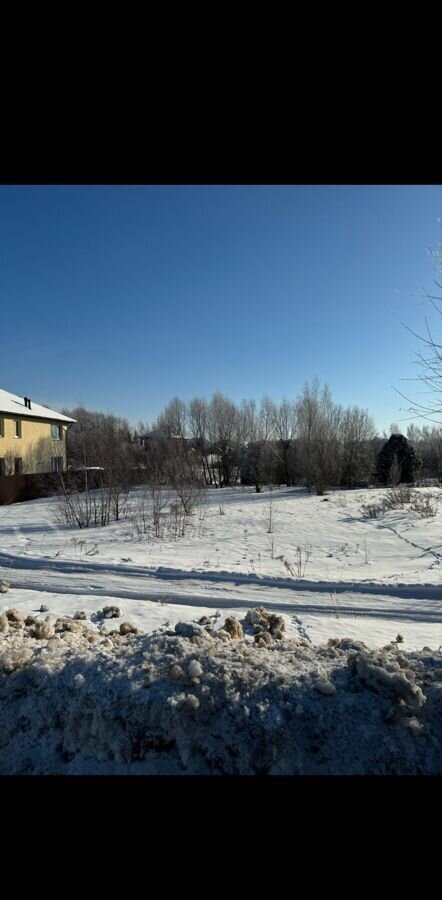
151, 434
161, 434
13, 405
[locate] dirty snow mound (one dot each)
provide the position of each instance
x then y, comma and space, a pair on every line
197, 700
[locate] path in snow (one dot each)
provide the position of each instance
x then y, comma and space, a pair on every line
224, 590
12, 565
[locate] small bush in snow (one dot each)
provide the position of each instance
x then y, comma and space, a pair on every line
397, 497
425, 505
302, 556
80, 615
4, 587
399, 639
372, 510
44, 608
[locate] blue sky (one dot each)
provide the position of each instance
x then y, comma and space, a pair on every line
120, 297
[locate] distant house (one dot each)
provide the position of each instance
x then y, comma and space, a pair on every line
144, 440
32, 437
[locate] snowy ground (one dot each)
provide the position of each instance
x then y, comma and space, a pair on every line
307, 678
366, 579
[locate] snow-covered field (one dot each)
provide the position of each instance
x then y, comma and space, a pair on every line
257, 652
367, 579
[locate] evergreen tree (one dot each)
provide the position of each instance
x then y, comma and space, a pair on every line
397, 461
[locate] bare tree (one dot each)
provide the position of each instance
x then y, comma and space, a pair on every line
428, 444
248, 424
198, 427
319, 422
225, 438
285, 421
101, 450
312, 440
259, 464
429, 356
173, 420
357, 431
184, 475
267, 415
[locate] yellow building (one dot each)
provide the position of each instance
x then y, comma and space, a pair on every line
32, 437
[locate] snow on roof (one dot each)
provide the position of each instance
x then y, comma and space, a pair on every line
13, 405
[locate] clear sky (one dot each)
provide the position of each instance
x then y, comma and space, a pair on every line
120, 297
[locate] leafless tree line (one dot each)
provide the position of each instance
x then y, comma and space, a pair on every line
310, 440
95, 489
427, 441
105, 464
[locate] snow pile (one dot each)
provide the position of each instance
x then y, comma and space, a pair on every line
205, 700
266, 626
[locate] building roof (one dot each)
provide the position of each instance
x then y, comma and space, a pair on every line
151, 434
161, 434
15, 406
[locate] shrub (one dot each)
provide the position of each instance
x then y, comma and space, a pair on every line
397, 497
425, 505
372, 510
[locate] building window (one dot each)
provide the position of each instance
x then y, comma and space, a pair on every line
2, 427
56, 432
17, 424
2, 467
18, 465
56, 463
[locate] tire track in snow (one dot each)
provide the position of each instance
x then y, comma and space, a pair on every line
307, 604
13, 564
